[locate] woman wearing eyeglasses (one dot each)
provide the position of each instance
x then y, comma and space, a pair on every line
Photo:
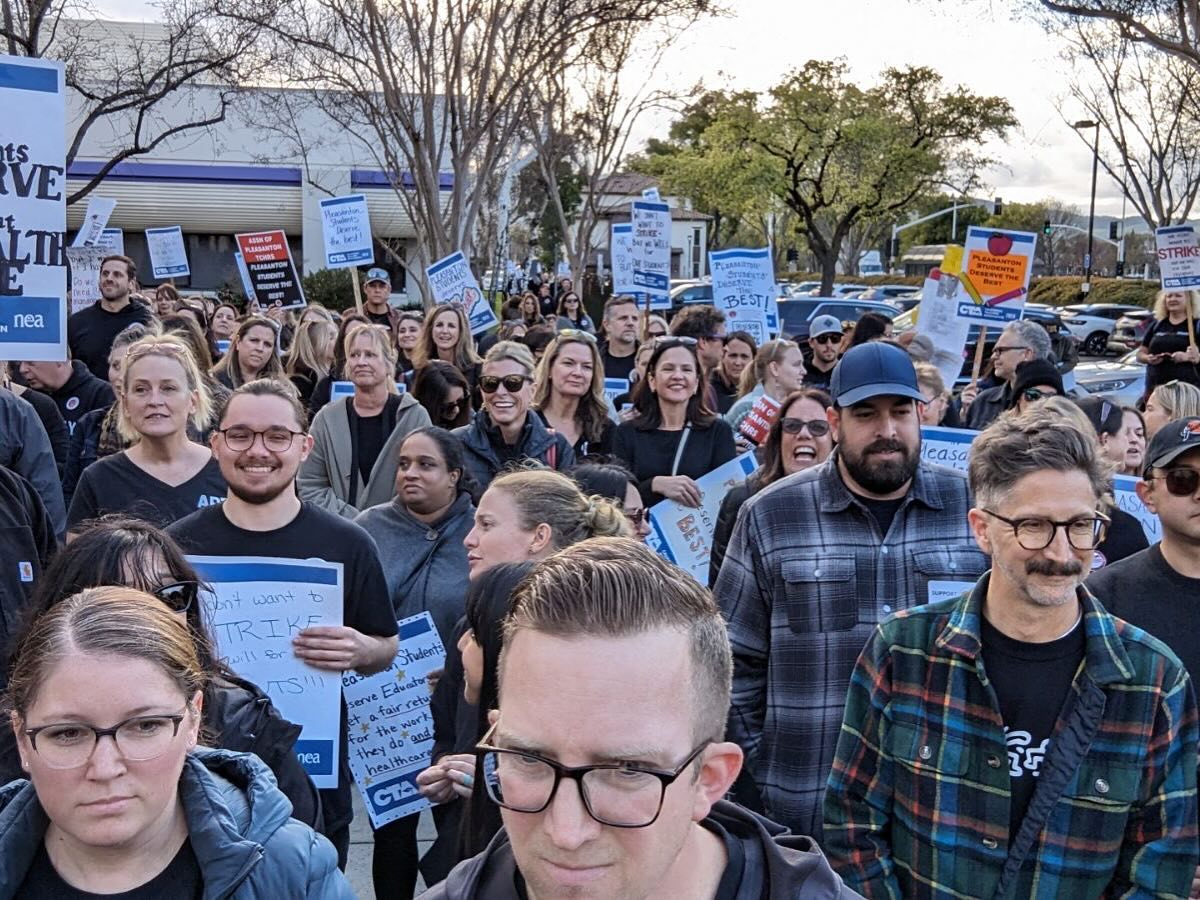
799, 439
614, 482
1035, 380
506, 431
673, 437
163, 476
237, 715
571, 313
356, 439
107, 692
568, 393
445, 394
777, 371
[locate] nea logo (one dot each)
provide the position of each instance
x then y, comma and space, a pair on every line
28, 320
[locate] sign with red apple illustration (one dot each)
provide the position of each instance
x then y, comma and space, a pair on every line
996, 273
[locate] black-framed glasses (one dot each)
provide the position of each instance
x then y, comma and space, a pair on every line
69, 745
179, 595
996, 351
1033, 394
277, 440
1037, 533
622, 796
816, 427
1181, 482
577, 334
831, 337
489, 384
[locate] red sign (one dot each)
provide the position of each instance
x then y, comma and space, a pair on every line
272, 273
759, 420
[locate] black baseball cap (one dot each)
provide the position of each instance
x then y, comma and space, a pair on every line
874, 369
1170, 442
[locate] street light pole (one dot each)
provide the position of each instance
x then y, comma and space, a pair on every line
1087, 263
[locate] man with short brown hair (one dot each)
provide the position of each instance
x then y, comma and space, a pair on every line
90, 331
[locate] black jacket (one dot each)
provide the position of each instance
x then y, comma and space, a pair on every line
987, 406
777, 865
81, 393
52, 421
480, 440
27, 543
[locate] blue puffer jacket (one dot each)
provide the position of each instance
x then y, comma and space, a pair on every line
240, 826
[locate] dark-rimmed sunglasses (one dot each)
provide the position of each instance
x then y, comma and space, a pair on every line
178, 595
831, 337
816, 427
1033, 395
1181, 482
489, 384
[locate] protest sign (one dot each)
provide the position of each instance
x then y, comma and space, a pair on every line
223, 346
94, 220
168, 256
452, 281
346, 226
614, 388
651, 194
244, 273
389, 726
938, 320
256, 606
773, 316
995, 274
651, 249
759, 420
1126, 498
683, 534
339, 389
269, 267
33, 214
112, 240
1178, 257
622, 259
743, 285
85, 275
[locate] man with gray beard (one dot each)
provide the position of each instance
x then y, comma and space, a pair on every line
818, 560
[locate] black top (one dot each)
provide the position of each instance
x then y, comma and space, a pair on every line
115, 484
27, 543
52, 421
370, 433
90, 332
583, 447
815, 378
723, 393
650, 453
1165, 337
313, 534
1125, 537
1032, 682
80, 394
883, 511
181, 878
383, 318
617, 366
1145, 591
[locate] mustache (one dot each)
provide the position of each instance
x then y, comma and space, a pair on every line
885, 445
1053, 568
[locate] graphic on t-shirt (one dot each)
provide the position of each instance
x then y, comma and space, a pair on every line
1022, 756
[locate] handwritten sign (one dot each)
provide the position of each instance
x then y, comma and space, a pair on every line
389, 726
168, 256
651, 248
683, 534
98, 211
256, 606
938, 320
33, 210
996, 274
85, 275
743, 283
270, 269
112, 240
346, 226
1178, 257
452, 281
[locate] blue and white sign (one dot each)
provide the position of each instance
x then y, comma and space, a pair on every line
33, 210
346, 225
1125, 495
1178, 257
339, 389
743, 284
98, 211
452, 281
683, 534
389, 727
244, 274
614, 388
112, 240
622, 259
168, 256
651, 248
257, 605
949, 447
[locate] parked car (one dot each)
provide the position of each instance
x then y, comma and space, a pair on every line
1129, 330
796, 314
1093, 323
1120, 380
690, 292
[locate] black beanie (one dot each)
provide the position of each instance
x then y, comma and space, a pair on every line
1033, 373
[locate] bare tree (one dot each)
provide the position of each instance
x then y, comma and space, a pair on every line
1146, 104
1172, 26
437, 90
136, 87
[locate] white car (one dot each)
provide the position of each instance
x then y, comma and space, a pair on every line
1093, 324
1121, 380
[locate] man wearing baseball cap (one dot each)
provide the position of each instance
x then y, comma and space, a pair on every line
824, 340
377, 288
819, 559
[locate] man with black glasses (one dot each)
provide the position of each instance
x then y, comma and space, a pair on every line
1019, 342
611, 787
260, 442
1018, 740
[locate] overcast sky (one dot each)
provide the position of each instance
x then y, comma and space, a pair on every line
973, 43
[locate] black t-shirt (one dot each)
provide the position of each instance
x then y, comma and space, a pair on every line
180, 879
90, 332
815, 378
1125, 537
313, 534
371, 433
1163, 336
114, 484
382, 318
884, 511
617, 366
1032, 682
1145, 591
726, 395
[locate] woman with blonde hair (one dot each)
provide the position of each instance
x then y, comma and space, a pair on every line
778, 369
310, 356
1169, 347
164, 475
252, 354
356, 439
446, 335
1168, 402
568, 393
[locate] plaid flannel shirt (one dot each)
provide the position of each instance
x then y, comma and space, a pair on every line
806, 579
918, 800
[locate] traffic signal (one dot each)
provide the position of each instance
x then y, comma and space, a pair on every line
793, 255
1120, 268
1046, 227
895, 248
1112, 230
997, 207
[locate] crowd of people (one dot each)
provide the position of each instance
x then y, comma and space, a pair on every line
901, 679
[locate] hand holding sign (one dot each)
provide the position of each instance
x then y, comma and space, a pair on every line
333, 647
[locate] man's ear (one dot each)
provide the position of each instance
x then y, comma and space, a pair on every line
721, 763
1145, 492
977, 520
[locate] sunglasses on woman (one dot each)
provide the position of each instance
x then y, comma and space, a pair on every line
179, 595
576, 334
816, 427
1181, 482
1033, 395
489, 384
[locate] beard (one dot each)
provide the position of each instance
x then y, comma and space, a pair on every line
259, 496
881, 476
